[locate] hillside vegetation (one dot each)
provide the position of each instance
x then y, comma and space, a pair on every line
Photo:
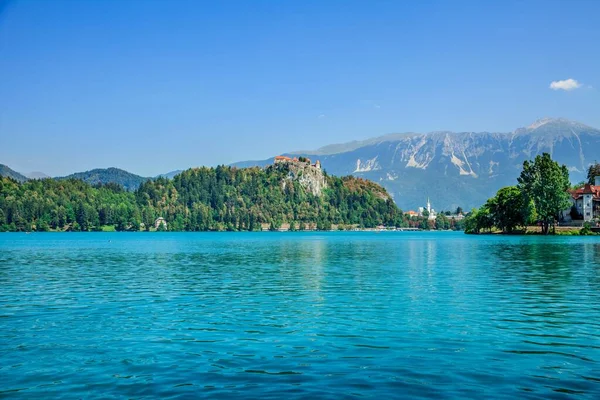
222, 198
7, 172
109, 175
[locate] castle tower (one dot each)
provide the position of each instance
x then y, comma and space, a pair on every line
428, 205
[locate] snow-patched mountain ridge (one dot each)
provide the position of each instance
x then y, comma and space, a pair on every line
458, 168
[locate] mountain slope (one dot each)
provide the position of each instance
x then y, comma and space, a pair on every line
9, 173
458, 169
170, 175
37, 175
109, 175
124, 178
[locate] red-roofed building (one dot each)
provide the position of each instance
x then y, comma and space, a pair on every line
282, 159
587, 200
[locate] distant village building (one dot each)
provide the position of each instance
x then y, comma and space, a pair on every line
430, 211
412, 213
160, 221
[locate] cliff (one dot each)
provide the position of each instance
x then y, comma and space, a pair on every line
311, 179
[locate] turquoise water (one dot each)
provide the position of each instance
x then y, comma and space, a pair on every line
271, 315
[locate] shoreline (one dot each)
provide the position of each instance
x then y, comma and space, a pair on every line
536, 231
265, 231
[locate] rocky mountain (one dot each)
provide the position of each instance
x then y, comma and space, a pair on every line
457, 168
109, 175
170, 175
37, 175
9, 173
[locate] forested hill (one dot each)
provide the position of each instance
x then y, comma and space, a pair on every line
109, 175
222, 198
5, 171
94, 177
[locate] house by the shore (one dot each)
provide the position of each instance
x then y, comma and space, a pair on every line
587, 200
585, 203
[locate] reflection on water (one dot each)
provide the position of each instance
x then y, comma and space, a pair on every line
299, 315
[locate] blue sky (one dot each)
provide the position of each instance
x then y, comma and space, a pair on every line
153, 86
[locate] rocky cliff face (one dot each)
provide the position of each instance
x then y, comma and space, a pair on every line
310, 178
459, 169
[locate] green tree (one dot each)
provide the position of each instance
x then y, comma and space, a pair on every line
545, 182
586, 230
484, 217
442, 222
478, 220
458, 225
508, 209
593, 172
529, 213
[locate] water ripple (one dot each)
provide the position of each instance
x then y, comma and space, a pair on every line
421, 315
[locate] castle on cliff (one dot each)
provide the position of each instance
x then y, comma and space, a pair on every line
284, 160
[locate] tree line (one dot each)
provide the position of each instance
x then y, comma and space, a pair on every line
200, 199
540, 196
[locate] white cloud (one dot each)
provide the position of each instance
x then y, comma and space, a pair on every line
567, 84
321, 116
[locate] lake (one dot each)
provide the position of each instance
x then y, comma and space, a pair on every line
299, 315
